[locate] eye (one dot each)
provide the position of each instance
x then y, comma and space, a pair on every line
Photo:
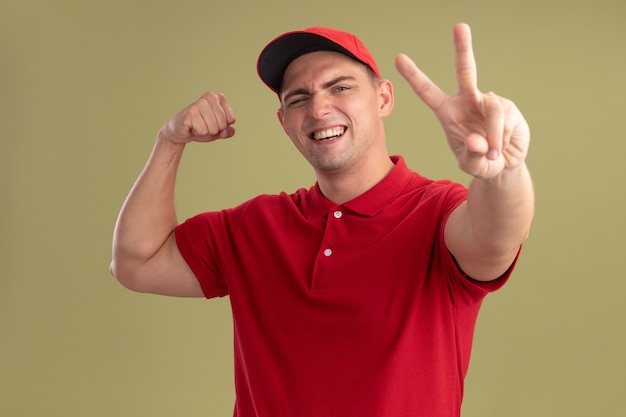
297, 101
341, 88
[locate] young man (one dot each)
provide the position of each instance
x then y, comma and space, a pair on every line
358, 296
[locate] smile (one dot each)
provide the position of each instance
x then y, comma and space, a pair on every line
328, 134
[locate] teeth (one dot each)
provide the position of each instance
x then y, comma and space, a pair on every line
329, 133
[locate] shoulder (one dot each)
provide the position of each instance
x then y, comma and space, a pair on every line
436, 192
412, 182
299, 198
282, 205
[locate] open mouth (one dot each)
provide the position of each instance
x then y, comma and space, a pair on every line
329, 134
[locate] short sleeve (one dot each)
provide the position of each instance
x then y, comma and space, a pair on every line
199, 240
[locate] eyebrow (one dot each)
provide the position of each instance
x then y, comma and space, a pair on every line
324, 86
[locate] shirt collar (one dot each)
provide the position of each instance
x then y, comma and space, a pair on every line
370, 202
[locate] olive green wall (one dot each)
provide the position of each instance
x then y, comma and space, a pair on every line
85, 86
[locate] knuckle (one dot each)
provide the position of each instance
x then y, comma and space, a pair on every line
193, 111
212, 97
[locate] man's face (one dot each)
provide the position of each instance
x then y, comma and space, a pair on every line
332, 110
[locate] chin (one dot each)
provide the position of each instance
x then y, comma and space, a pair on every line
329, 163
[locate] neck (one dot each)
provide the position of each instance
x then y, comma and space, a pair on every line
343, 186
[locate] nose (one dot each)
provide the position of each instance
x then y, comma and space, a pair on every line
319, 105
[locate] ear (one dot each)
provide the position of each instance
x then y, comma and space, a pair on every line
281, 119
385, 98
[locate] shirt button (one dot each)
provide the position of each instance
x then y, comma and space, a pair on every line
328, 252
338, 214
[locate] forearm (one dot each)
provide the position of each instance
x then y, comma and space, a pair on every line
148, 215
500, 210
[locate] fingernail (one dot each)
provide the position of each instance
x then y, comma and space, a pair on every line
493, 154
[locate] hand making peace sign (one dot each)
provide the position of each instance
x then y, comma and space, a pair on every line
487, 133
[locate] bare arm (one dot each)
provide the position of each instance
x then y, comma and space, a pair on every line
145, 254
485, 233
489, 138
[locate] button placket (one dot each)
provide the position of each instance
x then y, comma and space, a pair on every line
323, 270
337, 214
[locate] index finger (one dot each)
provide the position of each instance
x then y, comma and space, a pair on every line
466, 73
427, 90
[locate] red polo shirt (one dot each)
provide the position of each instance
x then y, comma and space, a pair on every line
343, 310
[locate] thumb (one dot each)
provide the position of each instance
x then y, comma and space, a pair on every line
226, 133
229, 132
